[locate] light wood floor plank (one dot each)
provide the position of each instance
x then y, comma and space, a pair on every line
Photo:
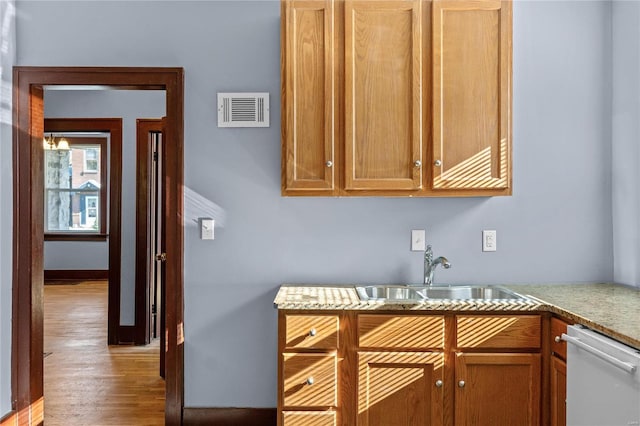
86, 382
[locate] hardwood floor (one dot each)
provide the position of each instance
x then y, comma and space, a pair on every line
87, 382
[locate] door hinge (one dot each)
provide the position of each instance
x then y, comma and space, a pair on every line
154, 310
155, 156
162, 257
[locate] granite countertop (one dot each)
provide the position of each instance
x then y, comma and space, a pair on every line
609, 308
612, 309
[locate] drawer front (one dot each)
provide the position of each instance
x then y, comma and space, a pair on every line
309, 418
311, 331
498, 331
406, 331
557, 328
309, 380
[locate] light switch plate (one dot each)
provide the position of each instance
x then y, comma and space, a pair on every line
207, 226
417, 240
489, 240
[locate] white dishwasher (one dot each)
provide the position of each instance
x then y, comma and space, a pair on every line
603, 381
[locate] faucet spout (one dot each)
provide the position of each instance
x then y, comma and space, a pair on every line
430, 265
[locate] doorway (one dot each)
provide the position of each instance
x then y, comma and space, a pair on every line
150, 233
28, 230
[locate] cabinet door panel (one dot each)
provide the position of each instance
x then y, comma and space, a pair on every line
399, 389
309, 418
498, 389
308, 97
383, 94
471, 94
558, 392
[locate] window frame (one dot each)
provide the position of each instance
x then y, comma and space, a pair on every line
102, 233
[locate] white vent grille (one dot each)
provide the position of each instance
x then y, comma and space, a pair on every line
243, 109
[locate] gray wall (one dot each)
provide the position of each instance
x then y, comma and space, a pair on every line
128, 105
556, 227
626, 134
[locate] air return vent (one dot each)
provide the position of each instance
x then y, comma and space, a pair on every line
243, 109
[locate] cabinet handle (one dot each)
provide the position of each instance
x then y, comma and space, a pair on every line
312, 332
329, 163
437, 163
438, 383
557, 339
310, 381
461, 384
417, 163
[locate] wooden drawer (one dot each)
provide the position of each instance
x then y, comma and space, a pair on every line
401, 331
309, 380
498, 331
557, 328
311, 331
309, 418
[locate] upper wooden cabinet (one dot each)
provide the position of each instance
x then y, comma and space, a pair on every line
396, 97
471, 94
383, 94
308, 95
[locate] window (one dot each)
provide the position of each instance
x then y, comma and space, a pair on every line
75, 190
91, 156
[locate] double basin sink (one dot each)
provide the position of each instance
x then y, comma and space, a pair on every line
416, 294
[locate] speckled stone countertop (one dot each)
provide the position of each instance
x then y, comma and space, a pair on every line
610, 308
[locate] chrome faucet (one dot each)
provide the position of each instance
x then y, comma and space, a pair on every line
430, 265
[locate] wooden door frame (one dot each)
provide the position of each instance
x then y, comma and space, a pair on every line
27, 363
114, 176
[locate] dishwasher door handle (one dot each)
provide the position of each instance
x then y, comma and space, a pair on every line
626, 366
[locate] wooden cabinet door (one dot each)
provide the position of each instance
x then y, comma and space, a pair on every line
471, 94
558, 392
400, 388
308, 96
497, 389
383, 94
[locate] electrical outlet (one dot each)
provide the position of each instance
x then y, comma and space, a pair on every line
489, 240
418, 240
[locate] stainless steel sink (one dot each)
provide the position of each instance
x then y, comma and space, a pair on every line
470, 293
390, 292
416, 294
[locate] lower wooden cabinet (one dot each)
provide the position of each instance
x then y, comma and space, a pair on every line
558, 392
309, 380
400, 388
353, 368
309, 418
558, 373
497, 389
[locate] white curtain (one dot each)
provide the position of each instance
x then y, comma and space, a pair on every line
7, 60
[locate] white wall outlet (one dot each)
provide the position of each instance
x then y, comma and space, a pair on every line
418, 240
489, 240
207, 226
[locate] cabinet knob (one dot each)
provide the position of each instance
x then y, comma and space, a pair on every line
461, 384
417, 163
437, 163
557, 339
329, 163
438, 383
312, 332
310, 381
